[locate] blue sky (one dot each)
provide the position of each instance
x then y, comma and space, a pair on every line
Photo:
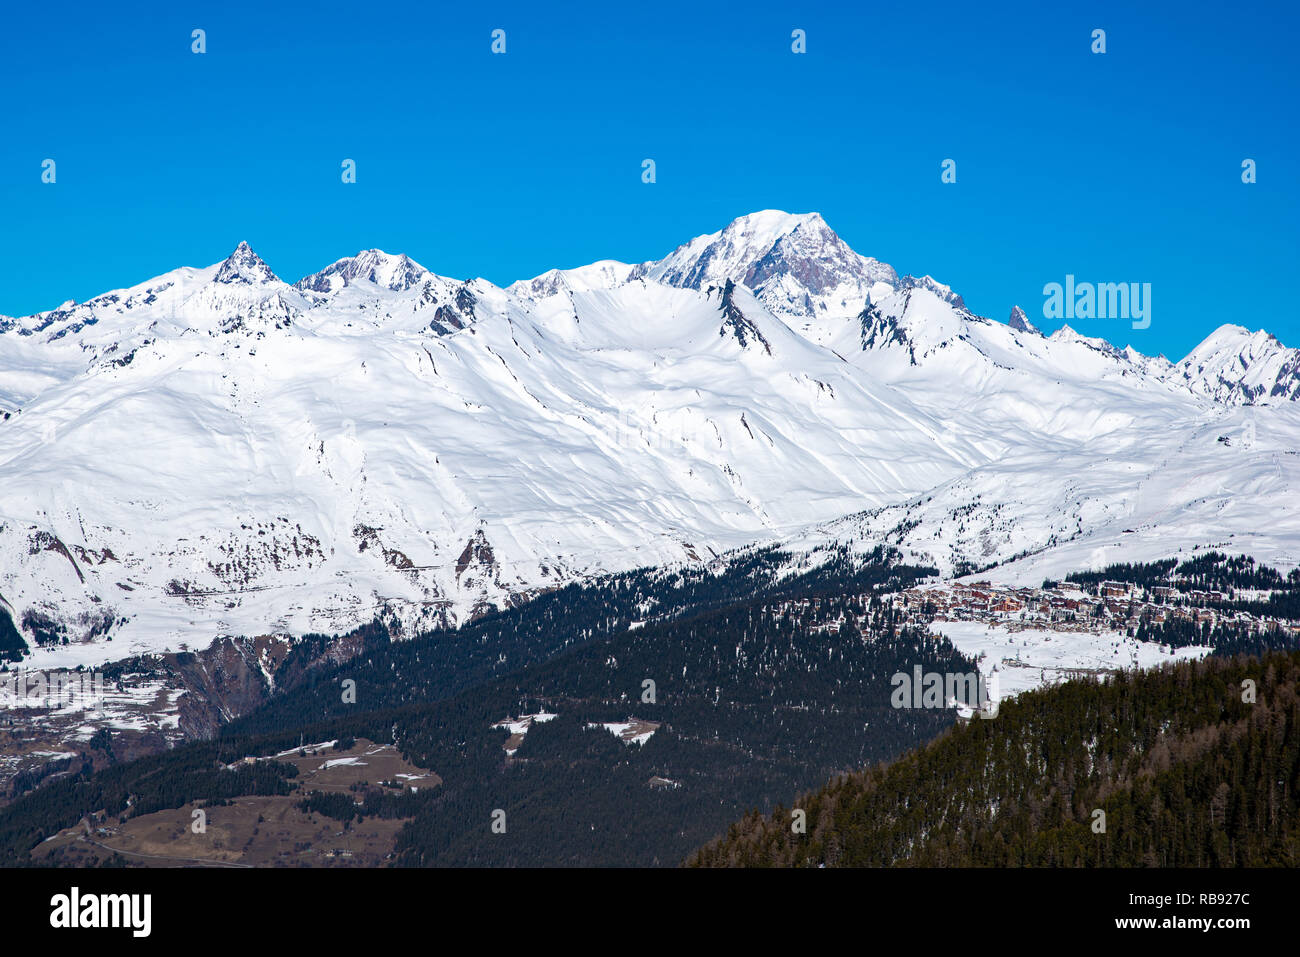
1122, 167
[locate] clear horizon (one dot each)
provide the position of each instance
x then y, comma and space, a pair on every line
1122, 167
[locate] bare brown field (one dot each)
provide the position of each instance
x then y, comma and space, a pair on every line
256, 831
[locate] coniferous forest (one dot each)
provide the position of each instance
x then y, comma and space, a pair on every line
751, 698
1192, 765
744, 688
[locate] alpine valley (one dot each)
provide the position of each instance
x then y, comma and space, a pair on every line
219, 488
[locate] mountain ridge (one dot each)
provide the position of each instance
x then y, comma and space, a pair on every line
753, 250
258, 455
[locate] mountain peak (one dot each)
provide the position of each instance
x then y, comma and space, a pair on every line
758, 233
1020, 322
1236, 364
602, 274
1231, 336
793, 262
930, 284
244, 266
396, 272
768, 225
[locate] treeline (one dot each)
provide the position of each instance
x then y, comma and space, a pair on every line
172, 779
1213, 571
749, 702
1281, 605
752, 701
1192, 765
1143, 574
440, 664
375, 802
12, 645
762, 685
1227, 638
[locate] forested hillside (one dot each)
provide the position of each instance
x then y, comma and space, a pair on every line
748, 699
1193, 765
442, 663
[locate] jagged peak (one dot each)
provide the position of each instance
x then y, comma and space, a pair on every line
1020, 322
396, 272
731, 251
794, 262
735, 323
1238, 365
1068, 334
930, 284
244, 266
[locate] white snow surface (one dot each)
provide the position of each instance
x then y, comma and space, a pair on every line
1033, 657
216, 451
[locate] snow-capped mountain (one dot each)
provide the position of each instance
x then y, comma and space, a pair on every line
374, 266
1236, 365
216, 451
606, 274
376, 290
244, 267
796, 266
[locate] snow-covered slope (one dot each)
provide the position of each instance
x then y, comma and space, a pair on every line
1236, 365
606, 274
216, 451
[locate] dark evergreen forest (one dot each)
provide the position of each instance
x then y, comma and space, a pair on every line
1187, 770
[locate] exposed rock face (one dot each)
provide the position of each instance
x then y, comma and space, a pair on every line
736, 324
230, 678
1020, 322
235, 675
795, 265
